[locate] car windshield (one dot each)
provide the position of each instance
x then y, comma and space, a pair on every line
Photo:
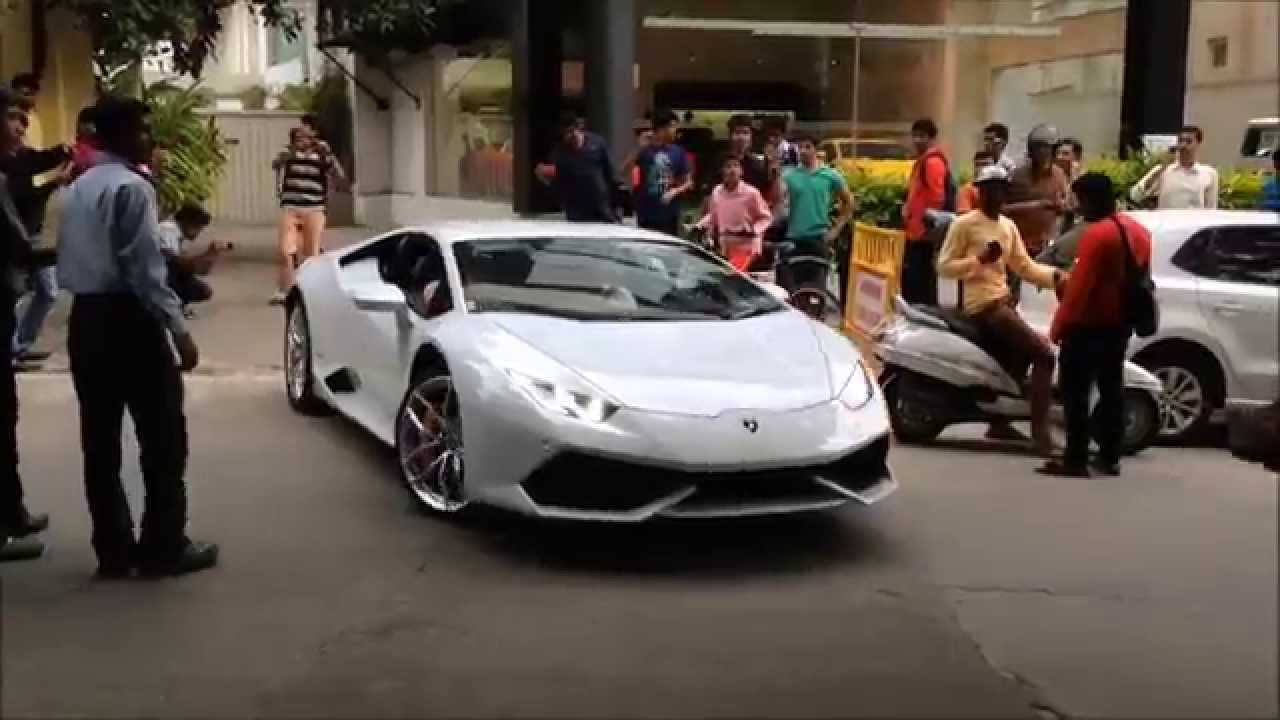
605, 279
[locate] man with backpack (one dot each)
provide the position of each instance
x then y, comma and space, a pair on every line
1103, 304
930, 187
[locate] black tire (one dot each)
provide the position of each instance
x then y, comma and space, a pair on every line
1205, 378
300, 392
446, 495
911, 424
1142, 422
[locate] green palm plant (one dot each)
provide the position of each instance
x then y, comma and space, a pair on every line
194, 157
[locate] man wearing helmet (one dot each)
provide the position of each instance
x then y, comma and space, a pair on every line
1038, 191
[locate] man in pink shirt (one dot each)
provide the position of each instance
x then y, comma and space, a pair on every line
737, 216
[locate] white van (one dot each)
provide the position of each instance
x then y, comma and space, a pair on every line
1261, 138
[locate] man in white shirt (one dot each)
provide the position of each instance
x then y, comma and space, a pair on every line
1181, 183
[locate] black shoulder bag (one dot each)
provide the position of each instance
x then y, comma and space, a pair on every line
1140, 290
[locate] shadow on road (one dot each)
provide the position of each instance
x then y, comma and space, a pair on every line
703, 549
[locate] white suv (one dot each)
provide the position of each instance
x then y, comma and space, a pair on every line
1217, 275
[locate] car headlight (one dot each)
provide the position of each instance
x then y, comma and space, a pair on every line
585, 405
858, 389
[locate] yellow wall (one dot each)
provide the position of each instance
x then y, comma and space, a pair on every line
67, 84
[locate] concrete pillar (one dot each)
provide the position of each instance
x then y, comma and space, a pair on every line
537, 51
443, 139
610, 72
1155, 69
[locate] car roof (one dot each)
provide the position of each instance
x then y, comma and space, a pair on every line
1192, 220
1171, 228
455, 231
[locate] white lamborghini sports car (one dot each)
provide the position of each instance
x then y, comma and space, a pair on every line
584, 372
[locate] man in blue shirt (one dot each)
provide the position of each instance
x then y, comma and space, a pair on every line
1271, 188
122, 320
582, 174
664, 177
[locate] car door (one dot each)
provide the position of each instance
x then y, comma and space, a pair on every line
393, 334
1238, 288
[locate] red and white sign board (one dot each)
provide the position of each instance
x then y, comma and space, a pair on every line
870, 301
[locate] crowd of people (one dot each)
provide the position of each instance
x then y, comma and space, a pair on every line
776, 191
1032, 217
84, 218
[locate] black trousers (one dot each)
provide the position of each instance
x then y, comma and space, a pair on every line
121, 359
919, 275
1093, 356
10, 481
189, 287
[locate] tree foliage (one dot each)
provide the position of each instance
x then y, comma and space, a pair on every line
126, 32
194, 152
375, 29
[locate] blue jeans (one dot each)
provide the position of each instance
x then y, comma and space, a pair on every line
44, 292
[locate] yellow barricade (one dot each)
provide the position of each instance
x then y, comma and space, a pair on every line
875, 275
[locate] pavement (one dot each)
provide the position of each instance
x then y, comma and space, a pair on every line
979, 590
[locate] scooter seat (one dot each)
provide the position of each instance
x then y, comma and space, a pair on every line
955, 321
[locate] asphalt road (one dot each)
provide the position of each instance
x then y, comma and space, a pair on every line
980, 590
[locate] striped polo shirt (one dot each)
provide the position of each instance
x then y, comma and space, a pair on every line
305, 183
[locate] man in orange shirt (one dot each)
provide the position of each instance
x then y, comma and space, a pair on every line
967, 199
1093, 327
928, 188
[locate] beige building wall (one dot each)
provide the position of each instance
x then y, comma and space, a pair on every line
1076, 81
1222, 100
67, 83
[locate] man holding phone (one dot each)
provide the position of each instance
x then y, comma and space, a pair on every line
980, 249
1181, 182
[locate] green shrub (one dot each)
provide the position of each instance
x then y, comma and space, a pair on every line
1240, 190
253, 98
1124, 174
195, 155
298, 98
879, 199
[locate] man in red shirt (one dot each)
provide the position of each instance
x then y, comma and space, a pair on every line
926, 190
1092, 325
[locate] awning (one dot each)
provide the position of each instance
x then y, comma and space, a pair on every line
866, 31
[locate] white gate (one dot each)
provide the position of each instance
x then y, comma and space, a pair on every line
247, 191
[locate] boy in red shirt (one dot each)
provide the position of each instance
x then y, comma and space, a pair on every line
926, 190
1092, 325
967, 199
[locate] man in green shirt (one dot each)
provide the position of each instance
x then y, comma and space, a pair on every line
807, 194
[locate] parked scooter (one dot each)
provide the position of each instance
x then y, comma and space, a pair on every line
937, 372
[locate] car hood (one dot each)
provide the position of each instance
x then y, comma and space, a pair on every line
772, 362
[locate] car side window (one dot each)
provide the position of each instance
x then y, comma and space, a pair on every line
428, 291
1240, 254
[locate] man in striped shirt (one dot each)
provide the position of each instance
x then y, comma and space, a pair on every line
304, 172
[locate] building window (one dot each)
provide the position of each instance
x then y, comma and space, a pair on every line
281, 49
1218, 51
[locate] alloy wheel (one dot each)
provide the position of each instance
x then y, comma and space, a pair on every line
1182, 400
430, 445
297, 354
